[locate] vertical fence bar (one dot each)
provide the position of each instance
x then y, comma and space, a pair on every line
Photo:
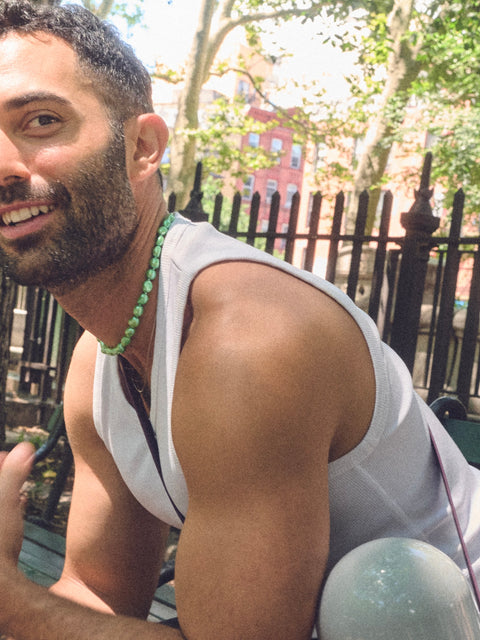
235, 215
292, 228
70, 332
253, 220
313, 232
7, 304
431, 331
357, 245
335, 238
380, 257
470, 335
217, 210
393, 258
272, 223
447, 302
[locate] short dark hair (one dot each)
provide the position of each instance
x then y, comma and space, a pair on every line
122, 81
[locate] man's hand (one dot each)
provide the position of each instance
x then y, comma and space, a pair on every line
14, 470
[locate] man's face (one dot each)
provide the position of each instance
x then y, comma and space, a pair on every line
66, 207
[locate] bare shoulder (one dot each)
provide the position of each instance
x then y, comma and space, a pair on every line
261, 333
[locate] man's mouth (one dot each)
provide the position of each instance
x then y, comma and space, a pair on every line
22, 214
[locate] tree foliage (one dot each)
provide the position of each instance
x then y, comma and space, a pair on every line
404, 50
410, 50
217, 18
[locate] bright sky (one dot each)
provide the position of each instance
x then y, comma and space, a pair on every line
166, 31
168, 26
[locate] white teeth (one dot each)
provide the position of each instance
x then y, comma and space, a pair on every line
20, 215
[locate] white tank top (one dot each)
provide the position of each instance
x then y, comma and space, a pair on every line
389, 485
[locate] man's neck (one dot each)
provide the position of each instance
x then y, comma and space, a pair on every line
104, 303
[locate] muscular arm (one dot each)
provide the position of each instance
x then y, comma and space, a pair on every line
258, 413
114, 546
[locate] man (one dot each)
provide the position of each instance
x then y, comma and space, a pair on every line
287, 433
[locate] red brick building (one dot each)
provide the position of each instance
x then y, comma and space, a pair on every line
285, 177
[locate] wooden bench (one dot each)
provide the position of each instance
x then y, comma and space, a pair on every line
42, 557
465, 432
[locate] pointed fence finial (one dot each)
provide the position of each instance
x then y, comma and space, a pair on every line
194, 209
421, 215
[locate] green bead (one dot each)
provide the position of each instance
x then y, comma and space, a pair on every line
157, 250
133, 323
154, 263
143, 299
130, 332
125, 341
160, 241
151, 274
137, 312
147, 286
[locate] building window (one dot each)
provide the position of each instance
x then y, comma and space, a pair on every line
248, 188
291, 190
431, 140
296, 157
276, 145
243, 88
271, 188
321, 151
254, 140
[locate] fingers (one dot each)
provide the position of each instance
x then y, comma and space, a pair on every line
15, 468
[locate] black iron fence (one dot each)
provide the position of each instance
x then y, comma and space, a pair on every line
410, 285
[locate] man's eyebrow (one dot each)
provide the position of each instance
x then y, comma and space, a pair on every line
34, 96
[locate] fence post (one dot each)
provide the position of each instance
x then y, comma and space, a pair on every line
7, 301
419, 224
194, 209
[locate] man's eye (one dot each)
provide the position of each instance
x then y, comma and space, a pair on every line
42, 120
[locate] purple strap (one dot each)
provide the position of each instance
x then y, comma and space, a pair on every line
457, 522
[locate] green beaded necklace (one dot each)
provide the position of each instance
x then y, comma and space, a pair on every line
147, 287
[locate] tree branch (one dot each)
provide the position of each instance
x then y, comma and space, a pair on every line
230, 23
309, 130
227, 23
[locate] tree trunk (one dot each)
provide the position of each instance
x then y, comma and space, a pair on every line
402, 69
7, 291
183, 145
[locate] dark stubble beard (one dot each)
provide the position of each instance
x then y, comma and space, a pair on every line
99, 221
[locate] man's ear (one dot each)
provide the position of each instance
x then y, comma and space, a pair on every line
146, 138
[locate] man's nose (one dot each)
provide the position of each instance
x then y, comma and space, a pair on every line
12, 166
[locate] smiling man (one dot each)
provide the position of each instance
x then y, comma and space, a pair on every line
181, 407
